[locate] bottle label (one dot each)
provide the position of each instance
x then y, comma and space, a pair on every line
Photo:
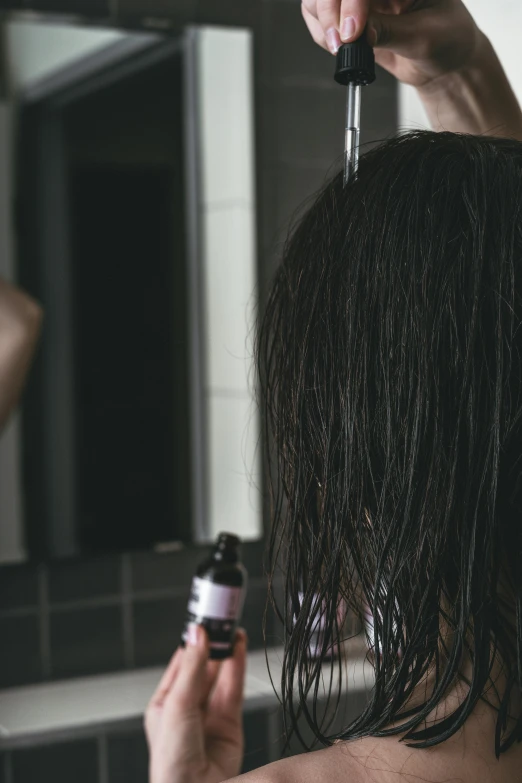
217, 607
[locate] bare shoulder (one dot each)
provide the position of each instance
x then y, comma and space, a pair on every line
320, 766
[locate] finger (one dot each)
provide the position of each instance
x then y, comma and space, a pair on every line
410, 34
227, 698
315, 29
167, 679
310, 6
354, 14
385, 59
328, 16
211, 674
188, 689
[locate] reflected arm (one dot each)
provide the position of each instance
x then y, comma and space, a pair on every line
20, 323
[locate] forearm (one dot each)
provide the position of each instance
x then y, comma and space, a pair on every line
475, 99
20, 322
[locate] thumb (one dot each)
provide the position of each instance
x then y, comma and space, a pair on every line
410, 34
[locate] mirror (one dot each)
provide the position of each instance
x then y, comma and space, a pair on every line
128, 203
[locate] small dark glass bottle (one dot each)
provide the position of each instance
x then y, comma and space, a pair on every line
217, 596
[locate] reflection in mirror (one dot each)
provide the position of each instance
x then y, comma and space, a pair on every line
133, 180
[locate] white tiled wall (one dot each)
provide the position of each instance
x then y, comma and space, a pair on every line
227, 136
234, 447
35, 50
229, 270
501, 21
230, 294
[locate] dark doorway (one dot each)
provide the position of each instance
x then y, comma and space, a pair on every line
123, 351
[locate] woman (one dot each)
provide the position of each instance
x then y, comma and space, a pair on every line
391, 364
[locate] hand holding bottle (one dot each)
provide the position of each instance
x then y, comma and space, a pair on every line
194, 723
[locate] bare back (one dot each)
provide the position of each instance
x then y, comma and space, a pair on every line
468, 757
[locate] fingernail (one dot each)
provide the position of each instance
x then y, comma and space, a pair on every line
348, 28
193, 633
333, 40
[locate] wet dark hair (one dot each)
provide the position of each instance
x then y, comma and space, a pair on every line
390, 366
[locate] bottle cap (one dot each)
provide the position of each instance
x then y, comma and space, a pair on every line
226, 547
355, 63
228, 539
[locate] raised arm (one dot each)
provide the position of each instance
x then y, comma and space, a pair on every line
20, 321
434, 45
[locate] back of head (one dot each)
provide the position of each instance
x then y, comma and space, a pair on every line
390, 360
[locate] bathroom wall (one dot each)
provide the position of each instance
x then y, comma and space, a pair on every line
35, 50
80, 617
72, 618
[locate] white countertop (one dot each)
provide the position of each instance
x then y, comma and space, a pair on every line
88, 705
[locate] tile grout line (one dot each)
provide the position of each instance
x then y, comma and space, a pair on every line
144, 594
103, 761
127, 616
45, 631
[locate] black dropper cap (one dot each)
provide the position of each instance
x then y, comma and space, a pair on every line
226, 547
355, 62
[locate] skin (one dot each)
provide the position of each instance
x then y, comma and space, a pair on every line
194, 721
435, 46
20, 323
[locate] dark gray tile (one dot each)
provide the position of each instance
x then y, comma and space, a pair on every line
296, 190
18, 586
19, 651
77, 580
89, 8
86, 641
256, 740
152, 570
252, 618
159, 571
296, 58
157, 629
128, 758
309, 124
266, 143
61, 763
309, 121
227, 12
266, 131
379, 110
135, 11
252, 556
